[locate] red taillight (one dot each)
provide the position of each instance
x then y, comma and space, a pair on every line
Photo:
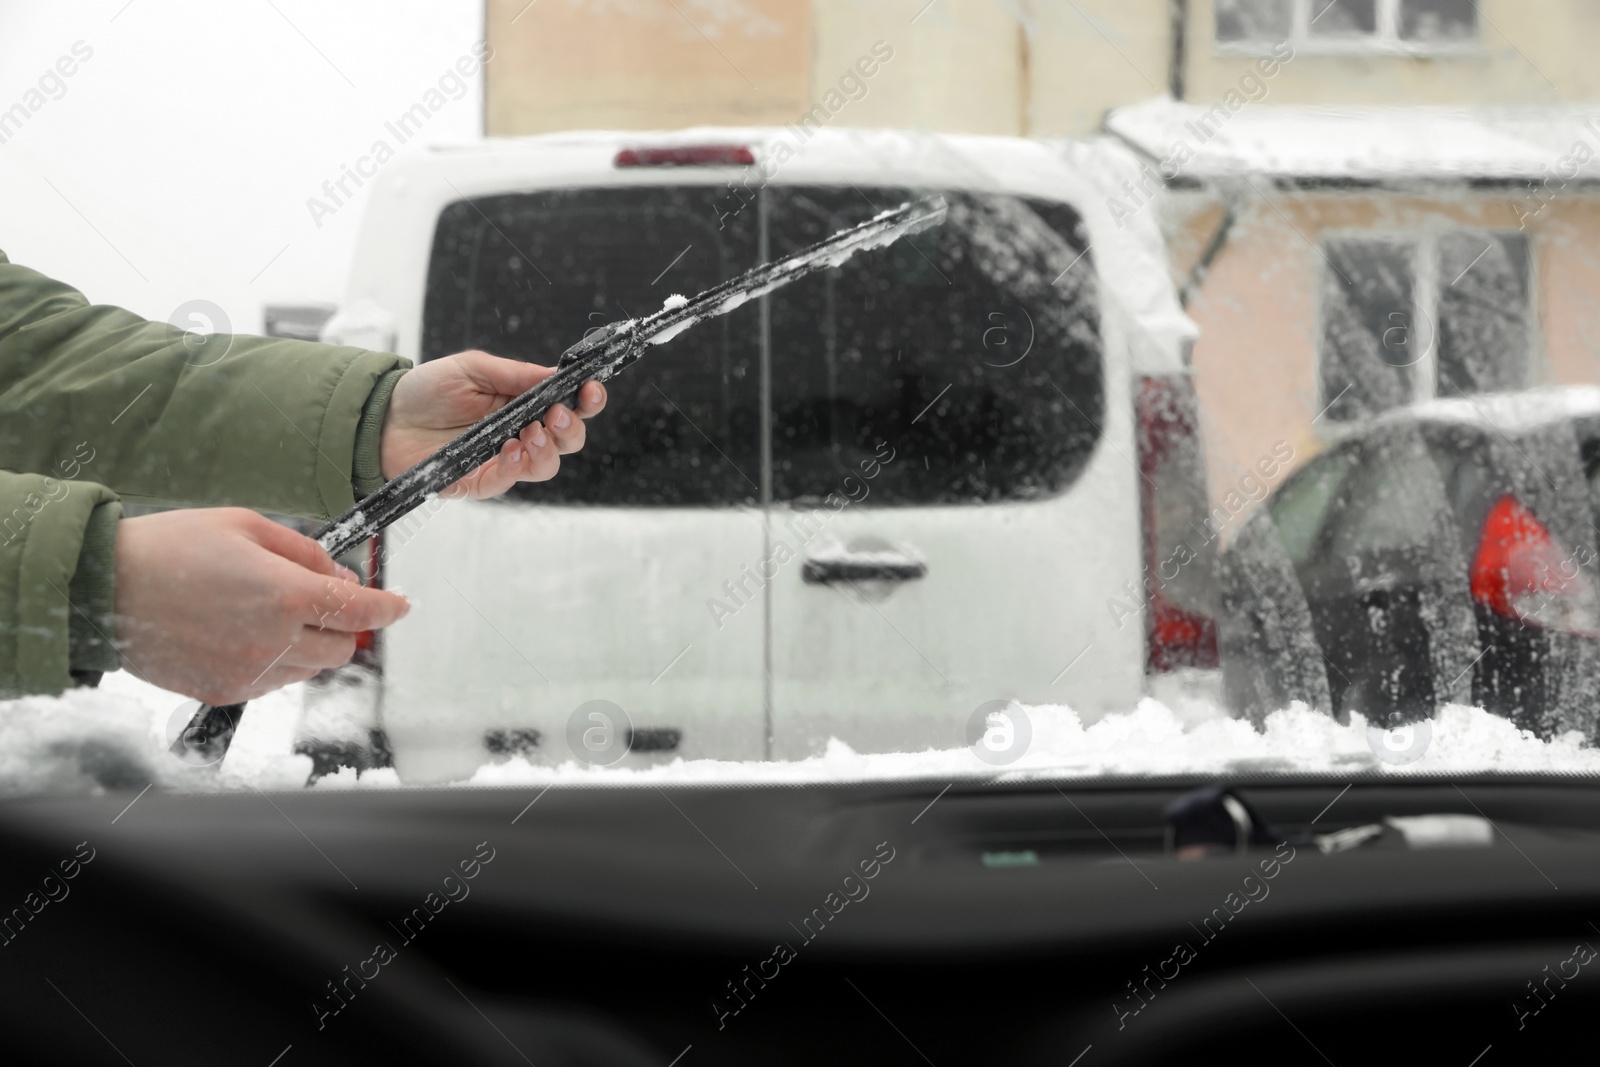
1179, 638
1522, 572
367, 639
689, 155
1171, 491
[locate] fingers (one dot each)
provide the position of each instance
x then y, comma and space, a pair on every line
516, 462
567, 429
513, 377
319, 649
506, 377
591, 400
295, 547
270, 682
330, 596
345, 607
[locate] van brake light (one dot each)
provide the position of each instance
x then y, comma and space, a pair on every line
690, 155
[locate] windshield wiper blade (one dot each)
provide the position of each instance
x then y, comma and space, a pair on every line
597, 357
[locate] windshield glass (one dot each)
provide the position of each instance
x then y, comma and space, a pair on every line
1233, 412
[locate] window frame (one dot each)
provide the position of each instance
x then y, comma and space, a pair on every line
1423, 243
1386, 41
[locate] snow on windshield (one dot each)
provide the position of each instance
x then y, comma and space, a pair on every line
115, 738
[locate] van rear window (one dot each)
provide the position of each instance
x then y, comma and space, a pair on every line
970, 353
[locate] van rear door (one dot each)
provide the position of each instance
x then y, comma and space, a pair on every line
591, 587
951, 515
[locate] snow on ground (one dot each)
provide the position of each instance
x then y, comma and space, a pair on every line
115, 737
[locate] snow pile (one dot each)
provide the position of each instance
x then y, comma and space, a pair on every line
1151, 740
115, 737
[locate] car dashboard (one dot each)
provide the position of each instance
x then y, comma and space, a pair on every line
976, 921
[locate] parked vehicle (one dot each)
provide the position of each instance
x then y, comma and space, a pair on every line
1445, 553
775, 536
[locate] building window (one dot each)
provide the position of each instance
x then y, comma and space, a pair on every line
1411, 318
1347, 25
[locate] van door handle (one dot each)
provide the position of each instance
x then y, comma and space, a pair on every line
866, 566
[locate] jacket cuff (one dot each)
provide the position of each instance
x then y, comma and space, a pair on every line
367, 467
92, 592
41, 543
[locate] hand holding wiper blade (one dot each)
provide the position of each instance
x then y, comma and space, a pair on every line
601, 354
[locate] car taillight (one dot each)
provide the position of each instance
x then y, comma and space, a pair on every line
1172, 492
1522, 572
1179, 638
689, 155
367, 640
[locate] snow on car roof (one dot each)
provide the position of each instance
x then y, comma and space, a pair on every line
1355, 142
1516, 412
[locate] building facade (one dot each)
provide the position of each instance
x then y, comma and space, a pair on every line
1368, 202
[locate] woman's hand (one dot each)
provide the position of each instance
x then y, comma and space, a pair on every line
435, 402
223, 605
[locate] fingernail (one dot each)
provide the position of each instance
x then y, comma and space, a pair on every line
538, 437
561, 419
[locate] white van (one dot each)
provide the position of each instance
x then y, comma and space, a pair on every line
859, 508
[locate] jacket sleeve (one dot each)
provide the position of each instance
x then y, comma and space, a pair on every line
170, 418
55, 597
155, 415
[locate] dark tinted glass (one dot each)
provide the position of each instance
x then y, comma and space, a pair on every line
1300, 508
1343, 18
1438, 20
1369, 343
1484, 310
1588, 433
526, 275
1253, 20
1386, 505
972, 350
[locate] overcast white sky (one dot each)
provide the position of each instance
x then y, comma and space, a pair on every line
177, 163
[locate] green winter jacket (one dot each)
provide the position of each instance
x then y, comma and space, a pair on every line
97, 405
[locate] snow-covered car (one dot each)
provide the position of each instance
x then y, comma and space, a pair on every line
1444, 553
862, 507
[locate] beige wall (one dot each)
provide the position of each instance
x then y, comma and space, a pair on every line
1256, 359
957, 66
1089, 56
644, 64
1035, 67
1529, 52
1032, 67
